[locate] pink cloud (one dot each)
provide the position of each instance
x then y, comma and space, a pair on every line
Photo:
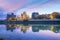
12, 6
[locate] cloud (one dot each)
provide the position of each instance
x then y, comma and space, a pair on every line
46, 6
15, 5
46, 3
12, 4
18, 4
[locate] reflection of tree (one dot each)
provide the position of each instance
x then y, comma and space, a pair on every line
58, 29
10, 27
55, 29
23, 28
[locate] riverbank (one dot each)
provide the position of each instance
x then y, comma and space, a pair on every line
45, 21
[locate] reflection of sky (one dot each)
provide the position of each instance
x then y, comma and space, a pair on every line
41, 6
29, 35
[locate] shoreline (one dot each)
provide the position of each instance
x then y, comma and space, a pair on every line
57, 21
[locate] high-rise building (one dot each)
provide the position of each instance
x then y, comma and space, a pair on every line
52, 16
11, 17
34, 15
23, 16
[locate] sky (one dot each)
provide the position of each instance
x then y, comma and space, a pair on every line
19, 6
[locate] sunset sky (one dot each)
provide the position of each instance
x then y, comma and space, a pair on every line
18, 6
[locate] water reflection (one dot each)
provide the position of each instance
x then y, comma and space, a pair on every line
54, 28
23, 28
30, 32
10, 27
35, 28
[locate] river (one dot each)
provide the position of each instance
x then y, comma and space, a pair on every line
29, 32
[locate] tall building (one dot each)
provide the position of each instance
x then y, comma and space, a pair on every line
34, 15
52, 16
23, 16
11, 17
56, 15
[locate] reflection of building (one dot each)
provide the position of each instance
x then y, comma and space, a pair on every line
23, 16
10, 27
23, 28
55, 29
11, 17
34, 15
35, 29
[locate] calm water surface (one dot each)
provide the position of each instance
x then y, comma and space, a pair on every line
29, 32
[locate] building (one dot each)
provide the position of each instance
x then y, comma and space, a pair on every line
57, 15
23, 16
52, 16
20, 17
34, 15
11, 17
